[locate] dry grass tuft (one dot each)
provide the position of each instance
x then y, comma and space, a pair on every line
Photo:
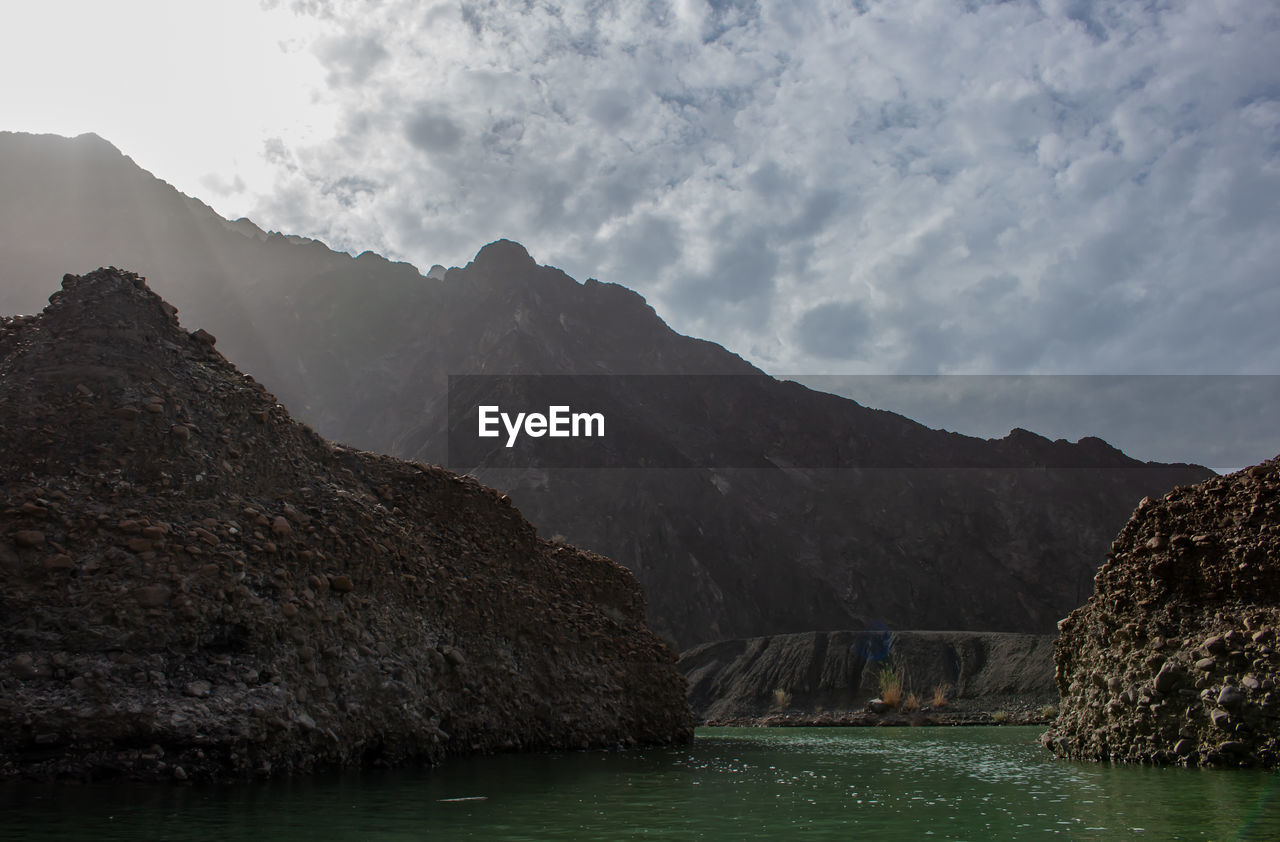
781, 699
939, 697
890, 686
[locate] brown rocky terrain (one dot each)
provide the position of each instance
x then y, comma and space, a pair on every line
830, 677
197, 586
1174, 659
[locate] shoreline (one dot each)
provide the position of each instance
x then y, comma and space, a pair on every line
867, 719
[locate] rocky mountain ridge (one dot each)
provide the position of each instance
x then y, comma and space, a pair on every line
197, 586
825, 515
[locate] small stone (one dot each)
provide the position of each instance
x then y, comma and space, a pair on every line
179, 773
181, 432
61, 561
1168, 678
138, 545
155, 408
1251, 683
280, 526
84, 390
1233, 747
1230, 696
1214, 644
1159, 542
34, 509
1206, 664
289, 610
23, 666
28, 538
341, 584
1182, 747
204, 337
1220, 717
152, 596
198, 689
126, 413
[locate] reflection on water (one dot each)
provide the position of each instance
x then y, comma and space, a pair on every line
937, 783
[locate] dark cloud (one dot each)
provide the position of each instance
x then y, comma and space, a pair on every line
432, 131
648, 245
839, 330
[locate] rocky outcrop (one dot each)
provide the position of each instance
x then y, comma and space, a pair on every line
831, 672
197, 586
1174, 659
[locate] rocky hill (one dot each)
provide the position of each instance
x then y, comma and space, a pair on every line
835, 672
196, 585
796, 510
1174, 658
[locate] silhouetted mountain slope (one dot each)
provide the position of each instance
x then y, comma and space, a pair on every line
817, 513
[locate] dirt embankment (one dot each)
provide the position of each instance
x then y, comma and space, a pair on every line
834, 678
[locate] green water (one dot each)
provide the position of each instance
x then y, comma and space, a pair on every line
732, 783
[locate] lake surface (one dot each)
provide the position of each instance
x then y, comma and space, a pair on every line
732, 783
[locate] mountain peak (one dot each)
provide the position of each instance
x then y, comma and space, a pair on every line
503, 256
119, 304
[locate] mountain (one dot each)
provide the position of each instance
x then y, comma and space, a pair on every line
194, 585
772, 509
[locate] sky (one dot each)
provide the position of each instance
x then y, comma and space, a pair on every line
826, 188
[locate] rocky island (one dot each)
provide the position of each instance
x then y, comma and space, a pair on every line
197, 586
1174, 659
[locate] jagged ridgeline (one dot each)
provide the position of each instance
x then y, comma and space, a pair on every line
809, 512
197, 586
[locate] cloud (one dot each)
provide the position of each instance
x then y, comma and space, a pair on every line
838, 330
433, 131
350, 59
974, 187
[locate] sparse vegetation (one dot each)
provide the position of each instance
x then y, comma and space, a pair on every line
1049, 711
910, 704
939, 697
1000, 717
781, 699
890, 686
